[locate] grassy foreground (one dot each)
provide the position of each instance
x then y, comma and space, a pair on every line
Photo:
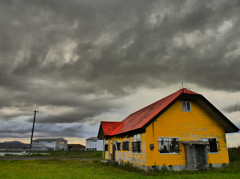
79, 168
57, 168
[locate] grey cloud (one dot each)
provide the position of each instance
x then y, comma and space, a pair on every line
80, 108
54, 53
115, 69
231, 108
84, 114
23, 130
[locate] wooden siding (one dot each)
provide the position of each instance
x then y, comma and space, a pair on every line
185, 126
128, 156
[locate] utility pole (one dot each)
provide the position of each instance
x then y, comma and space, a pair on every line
32, 131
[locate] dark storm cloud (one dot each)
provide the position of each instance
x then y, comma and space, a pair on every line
23, 130
150, 52
56, 54
83, 114
82, 108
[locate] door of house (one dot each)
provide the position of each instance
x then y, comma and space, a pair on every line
196, 155
113, 152
201, 157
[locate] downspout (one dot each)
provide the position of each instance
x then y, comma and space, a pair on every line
116, 150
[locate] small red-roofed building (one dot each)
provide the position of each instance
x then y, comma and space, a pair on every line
181, 131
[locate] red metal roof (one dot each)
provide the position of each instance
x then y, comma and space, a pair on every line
141, 117
109, 127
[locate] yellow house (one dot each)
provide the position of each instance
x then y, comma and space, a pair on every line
181, 131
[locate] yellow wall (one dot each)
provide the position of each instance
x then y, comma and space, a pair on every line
185, 126
175, 123
128, 156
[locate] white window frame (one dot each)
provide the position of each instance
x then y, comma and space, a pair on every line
184, 105
105, 141
159, 138
136, 137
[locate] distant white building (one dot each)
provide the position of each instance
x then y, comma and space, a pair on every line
40, 147
93, 143
53, 143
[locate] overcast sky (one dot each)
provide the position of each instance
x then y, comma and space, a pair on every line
79, 62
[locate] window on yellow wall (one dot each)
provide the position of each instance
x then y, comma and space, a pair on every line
213, 144
125, 145
119, 145
186, 106
106, 145
168, 145
136, 144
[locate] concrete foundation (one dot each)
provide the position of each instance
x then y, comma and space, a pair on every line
168, 167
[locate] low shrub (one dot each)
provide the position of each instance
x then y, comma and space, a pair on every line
234, 154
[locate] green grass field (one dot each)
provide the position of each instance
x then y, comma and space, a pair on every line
79, 168
74, 154
67, 154
58, 168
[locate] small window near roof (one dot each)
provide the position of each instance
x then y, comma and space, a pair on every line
186, 106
